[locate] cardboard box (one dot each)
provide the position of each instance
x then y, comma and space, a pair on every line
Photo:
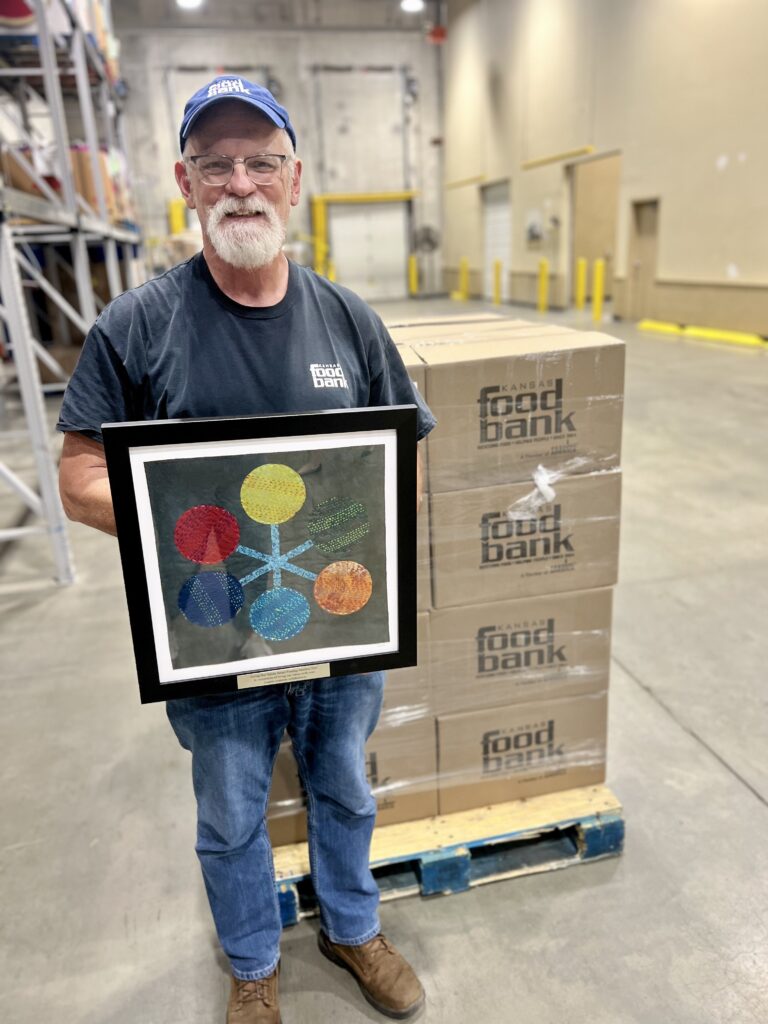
507, 753
14, 175
406, 692
506, 404
450, 318
470, 330
539, 648
85, 182
481, 555
414, 365
401, 764
417, 371
423, 560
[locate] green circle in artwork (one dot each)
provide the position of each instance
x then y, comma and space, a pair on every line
337, 524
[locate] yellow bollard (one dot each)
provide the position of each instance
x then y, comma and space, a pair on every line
464, 279
177, 216
497, 282
331, 275
462, 292
543, 291
598, 290
413, 275
320, 233
580, 291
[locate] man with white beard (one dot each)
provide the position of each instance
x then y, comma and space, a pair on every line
239, 330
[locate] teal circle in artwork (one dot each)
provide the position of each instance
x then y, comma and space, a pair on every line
211, 599
279, 613
337, 524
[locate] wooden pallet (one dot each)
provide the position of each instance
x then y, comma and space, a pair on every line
458, 851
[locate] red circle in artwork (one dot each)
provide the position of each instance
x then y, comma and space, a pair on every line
206, 534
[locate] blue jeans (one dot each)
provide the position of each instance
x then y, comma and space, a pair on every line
234, 742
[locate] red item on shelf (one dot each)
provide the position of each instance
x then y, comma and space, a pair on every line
15, 13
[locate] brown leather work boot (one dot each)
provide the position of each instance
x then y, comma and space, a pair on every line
254, 1002
385, 977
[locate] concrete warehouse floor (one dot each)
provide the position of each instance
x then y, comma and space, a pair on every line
104, 918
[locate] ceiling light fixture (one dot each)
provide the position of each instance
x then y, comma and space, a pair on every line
412, 6
189, 5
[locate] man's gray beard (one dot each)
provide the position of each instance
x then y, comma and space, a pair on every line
245, 245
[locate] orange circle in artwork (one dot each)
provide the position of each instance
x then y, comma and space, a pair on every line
343, 588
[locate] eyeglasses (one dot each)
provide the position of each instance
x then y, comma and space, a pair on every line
215, 169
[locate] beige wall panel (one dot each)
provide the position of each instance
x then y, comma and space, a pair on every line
730, 307
595, 209
464, 227
678, 87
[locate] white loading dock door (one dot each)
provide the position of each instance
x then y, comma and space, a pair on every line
497, 225
369, 248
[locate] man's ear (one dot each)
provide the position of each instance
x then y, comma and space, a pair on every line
296, 183
185, 186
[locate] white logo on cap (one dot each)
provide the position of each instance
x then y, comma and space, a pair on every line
228, 85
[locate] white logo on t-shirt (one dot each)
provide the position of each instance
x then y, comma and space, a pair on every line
327, 375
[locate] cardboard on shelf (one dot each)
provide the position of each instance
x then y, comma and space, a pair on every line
85, 182
520, 750
512, 400
401, 765
533, 649
479, 554
15, 176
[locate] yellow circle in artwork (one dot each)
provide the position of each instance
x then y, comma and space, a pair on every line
272, 493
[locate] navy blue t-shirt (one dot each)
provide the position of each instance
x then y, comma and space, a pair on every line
178, 347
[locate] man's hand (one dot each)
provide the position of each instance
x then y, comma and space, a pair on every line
84, 483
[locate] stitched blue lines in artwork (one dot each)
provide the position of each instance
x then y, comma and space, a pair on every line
211, 598
276, 562
279, 613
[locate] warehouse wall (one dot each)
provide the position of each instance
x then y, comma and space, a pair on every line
354, 159
676, 86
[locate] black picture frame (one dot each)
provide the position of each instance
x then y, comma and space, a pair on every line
160, 468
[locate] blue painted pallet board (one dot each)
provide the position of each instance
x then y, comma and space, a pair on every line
455, 852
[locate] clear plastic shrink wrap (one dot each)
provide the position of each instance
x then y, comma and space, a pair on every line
517, 552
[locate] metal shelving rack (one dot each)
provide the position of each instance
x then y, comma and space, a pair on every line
49, 67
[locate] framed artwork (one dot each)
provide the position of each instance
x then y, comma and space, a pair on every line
266, 549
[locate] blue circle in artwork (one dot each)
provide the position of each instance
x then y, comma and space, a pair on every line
211, 598
279, 614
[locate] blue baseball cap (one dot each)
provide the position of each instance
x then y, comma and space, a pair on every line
231, 87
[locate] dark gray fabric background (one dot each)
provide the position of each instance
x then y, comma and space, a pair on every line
174, 486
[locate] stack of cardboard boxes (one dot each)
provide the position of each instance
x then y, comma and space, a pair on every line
517, 551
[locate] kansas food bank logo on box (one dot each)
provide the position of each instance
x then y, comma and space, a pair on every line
511, 750
506, 541
504, 649
515, 412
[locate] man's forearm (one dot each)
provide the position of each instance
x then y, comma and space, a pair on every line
93, 507
84, 483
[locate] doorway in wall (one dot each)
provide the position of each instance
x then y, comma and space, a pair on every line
497, 227
369, 248
643, 250
595, 204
